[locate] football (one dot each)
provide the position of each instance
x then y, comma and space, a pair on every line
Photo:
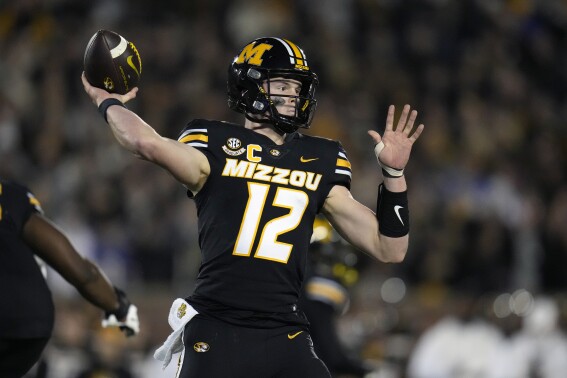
112, 63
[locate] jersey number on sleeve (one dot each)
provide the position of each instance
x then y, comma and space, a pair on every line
269, 247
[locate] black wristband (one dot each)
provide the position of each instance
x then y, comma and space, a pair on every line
123, 306
104, 105
392, 212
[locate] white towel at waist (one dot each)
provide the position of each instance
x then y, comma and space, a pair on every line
179, 314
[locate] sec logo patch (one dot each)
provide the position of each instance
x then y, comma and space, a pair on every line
233, 147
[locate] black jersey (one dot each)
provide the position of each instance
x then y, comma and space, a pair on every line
255, 218
25, 300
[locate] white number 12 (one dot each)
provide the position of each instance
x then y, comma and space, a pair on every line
269, 247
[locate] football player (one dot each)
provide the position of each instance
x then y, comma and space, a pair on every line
27, 316
258, 188
333, 269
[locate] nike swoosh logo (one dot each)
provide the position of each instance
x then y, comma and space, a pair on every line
131, 64
291, 337
397, 211
304, 160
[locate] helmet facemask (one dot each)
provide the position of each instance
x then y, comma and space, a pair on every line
304, 102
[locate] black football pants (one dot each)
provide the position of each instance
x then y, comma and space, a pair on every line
215, 349
17, 356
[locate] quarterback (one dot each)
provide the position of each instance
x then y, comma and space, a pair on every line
258, 188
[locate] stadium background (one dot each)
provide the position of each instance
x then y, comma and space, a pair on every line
488, 188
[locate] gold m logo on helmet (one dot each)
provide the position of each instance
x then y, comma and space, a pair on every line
253, 54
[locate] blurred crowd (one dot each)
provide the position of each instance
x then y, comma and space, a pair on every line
488, 185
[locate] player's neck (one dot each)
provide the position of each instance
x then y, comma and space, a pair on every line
267, 130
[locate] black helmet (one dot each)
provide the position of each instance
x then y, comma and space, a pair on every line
261, 61
331, 256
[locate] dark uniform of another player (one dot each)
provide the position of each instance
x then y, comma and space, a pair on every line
26, 315
333, 269
26, 307
256, 214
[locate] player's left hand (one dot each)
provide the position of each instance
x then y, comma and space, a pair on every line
398, 142
130, 325
125, 316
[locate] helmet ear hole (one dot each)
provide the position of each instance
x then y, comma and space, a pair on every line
254, 74
259, 106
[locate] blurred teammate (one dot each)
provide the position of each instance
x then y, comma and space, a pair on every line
258, 188
27, 315
333, 269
